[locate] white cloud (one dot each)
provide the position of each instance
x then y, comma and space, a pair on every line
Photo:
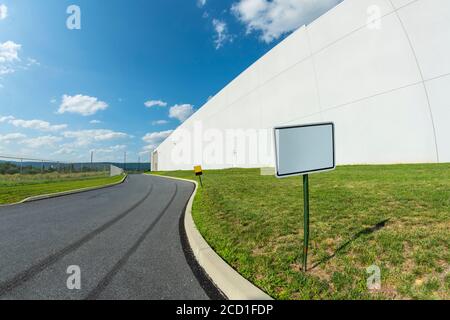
277, 17
10, 60
5, 119
149, 148
83, 105
32, 62
7, 138
155, 103
3, 12
145, 152
111, 149
118, 147
64, 151
43, 141
9, 55
222, 36
4, 70
159, 122
154, 139
39, 125
201, 3
95, 122
181, 112
9, 51
87, 137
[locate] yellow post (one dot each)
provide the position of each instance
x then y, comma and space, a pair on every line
199, 172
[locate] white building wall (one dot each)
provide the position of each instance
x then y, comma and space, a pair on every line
385, 84
115, 171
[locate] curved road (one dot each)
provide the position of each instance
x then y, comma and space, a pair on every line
127, 241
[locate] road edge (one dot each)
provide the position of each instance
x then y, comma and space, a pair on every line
64, 193
229, 281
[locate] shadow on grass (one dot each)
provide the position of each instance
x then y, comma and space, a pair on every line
366, 231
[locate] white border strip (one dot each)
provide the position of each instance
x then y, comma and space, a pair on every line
230, 282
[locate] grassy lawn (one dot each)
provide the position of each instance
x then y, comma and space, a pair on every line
14, 188
396, 217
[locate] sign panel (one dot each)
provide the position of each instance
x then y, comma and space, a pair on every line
304, 149
198, 170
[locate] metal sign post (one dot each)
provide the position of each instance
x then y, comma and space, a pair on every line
305, 221
300, 151
199, 172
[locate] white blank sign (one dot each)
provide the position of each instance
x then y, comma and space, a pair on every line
304, 149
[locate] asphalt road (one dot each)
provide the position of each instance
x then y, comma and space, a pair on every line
126, 240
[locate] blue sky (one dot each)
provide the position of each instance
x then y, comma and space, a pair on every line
132, 73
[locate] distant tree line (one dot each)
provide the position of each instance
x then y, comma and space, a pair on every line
49, 167
11, 168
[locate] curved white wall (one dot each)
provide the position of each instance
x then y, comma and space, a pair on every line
386, 86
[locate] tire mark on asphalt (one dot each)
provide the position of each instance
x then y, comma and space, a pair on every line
101, 286
104, 191
29, 273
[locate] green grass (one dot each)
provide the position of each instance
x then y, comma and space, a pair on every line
14, 188
256, 224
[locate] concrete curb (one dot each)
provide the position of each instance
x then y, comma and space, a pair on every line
64, 193
230, 282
